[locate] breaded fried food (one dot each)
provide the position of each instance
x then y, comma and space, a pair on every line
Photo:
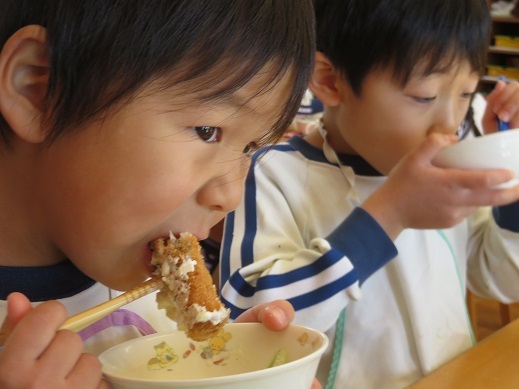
189, 295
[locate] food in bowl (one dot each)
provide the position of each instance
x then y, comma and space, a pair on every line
189, 295
499, 150
241, 355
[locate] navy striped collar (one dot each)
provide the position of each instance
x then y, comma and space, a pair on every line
357, 163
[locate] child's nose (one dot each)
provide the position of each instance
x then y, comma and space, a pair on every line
223, 193
446, 123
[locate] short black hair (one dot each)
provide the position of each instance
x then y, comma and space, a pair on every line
360, 36
102, 52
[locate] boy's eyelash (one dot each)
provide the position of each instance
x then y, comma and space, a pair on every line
250, 148
424, 99
209, 134
212, 134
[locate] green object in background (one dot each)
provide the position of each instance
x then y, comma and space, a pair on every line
280, 358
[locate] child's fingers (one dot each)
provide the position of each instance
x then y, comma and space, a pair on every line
480, 188
509, 106
489, 119
479, 178
496, 98
499, 87
87, 373
512, 105
52, 361
17, 306
490, 197
275, 315
503, 104
40, 327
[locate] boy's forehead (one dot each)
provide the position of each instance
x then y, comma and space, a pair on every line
427, 68
260, 102
262, 91
447, 64
261, 96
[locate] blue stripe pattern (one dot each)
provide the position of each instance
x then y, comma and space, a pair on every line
225, 255
250, 209
247, 246
277, 281
307, 299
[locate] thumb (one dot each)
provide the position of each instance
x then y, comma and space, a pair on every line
17, 307
275, 315
499, 87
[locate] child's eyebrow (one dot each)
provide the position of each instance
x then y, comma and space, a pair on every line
238, 102
242, 100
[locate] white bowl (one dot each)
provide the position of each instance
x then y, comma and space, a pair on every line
238, 358
499, 150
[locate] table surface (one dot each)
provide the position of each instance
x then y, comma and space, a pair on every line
492, 363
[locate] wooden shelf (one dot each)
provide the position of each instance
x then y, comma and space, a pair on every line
503, 50
498, 55
505, 19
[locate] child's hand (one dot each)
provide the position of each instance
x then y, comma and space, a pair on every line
35, 355
419, 195
502, 103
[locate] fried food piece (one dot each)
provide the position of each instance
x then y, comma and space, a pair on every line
189, 295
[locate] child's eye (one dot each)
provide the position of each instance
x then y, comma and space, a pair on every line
250, 148
467, 95
424, 100
208, 134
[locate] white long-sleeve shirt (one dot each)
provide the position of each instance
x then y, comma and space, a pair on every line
299, 235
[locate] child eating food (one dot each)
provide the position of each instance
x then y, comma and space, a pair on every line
120, 122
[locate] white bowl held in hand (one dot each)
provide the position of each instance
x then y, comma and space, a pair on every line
242, 356
499, 150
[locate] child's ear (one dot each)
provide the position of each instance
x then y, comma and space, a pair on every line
324, 81
24, 74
